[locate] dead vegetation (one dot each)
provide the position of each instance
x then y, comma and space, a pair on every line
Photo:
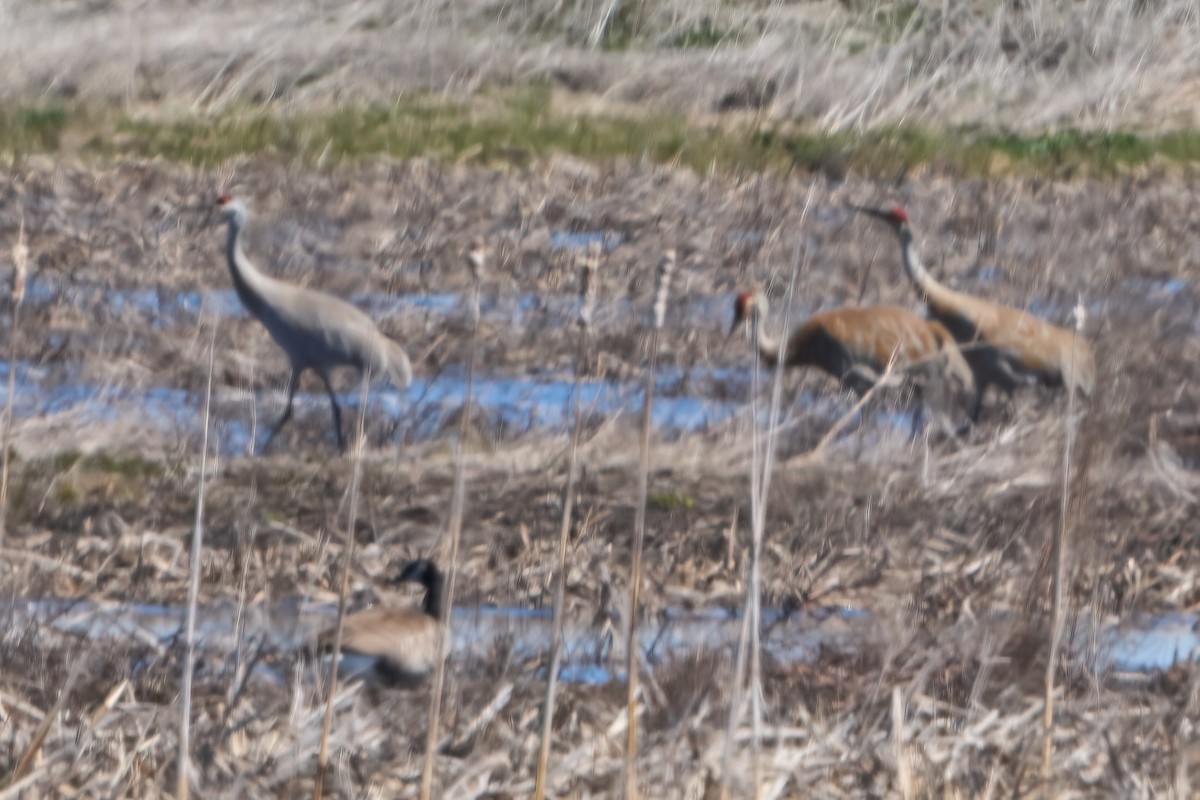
945, 543
833, 65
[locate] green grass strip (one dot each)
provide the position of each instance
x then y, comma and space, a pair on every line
520, 127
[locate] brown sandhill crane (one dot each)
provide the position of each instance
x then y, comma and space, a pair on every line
317, 331
1005, 346
855, 343
395, 647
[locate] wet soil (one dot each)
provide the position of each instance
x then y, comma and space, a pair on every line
944, 541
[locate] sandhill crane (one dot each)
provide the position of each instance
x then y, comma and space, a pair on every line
395, 647
476, 256
316, 330
1005, 346
855, 343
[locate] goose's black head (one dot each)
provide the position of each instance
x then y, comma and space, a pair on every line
426, 573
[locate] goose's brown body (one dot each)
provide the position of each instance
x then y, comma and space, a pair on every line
395, 647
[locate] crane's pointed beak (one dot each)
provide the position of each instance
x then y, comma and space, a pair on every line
198, 217
211, 214
878, 213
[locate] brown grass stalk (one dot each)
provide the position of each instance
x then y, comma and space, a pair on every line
665, 269
343, 588
818, 450
43, 729
904, 772
184, 765
457, 506
587, 291
749, 644
761, 464
1061, 543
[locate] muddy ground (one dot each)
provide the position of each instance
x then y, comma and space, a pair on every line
943, 542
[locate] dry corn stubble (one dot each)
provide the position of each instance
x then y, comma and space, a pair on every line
947, 563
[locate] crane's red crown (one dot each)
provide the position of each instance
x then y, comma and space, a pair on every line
898, 214
741, 306
224, 199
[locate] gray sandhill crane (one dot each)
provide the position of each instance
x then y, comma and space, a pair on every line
855, 343
394, 647
476, 256
317, 331
1005, 346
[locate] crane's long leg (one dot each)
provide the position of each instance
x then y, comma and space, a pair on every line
992, 367
977, 402
859, 379
293, 385
337, 412
918, 414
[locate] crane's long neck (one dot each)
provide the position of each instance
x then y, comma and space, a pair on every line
252, 286
768, 347
941, 298
925, 283
960, 312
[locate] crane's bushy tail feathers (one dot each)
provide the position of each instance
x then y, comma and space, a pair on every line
399, 368
1082, 371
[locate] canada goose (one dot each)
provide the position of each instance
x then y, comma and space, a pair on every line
394, 647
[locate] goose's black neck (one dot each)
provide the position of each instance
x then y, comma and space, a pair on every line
434, 584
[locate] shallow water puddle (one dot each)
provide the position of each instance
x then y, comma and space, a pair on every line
514, 405
1153, 642
478, 632
161, 308
529, 403
590, 655
685, 401
577, 240
1128, 297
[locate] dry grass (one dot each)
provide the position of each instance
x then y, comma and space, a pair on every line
183, 770
834, 65
590, 260
458, 500
16, 295
944, 692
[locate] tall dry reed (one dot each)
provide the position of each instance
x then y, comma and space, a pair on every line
184, 765
20, 259
475, 262
666, 269
1060, 556
589, 269
356, 457
761, 465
